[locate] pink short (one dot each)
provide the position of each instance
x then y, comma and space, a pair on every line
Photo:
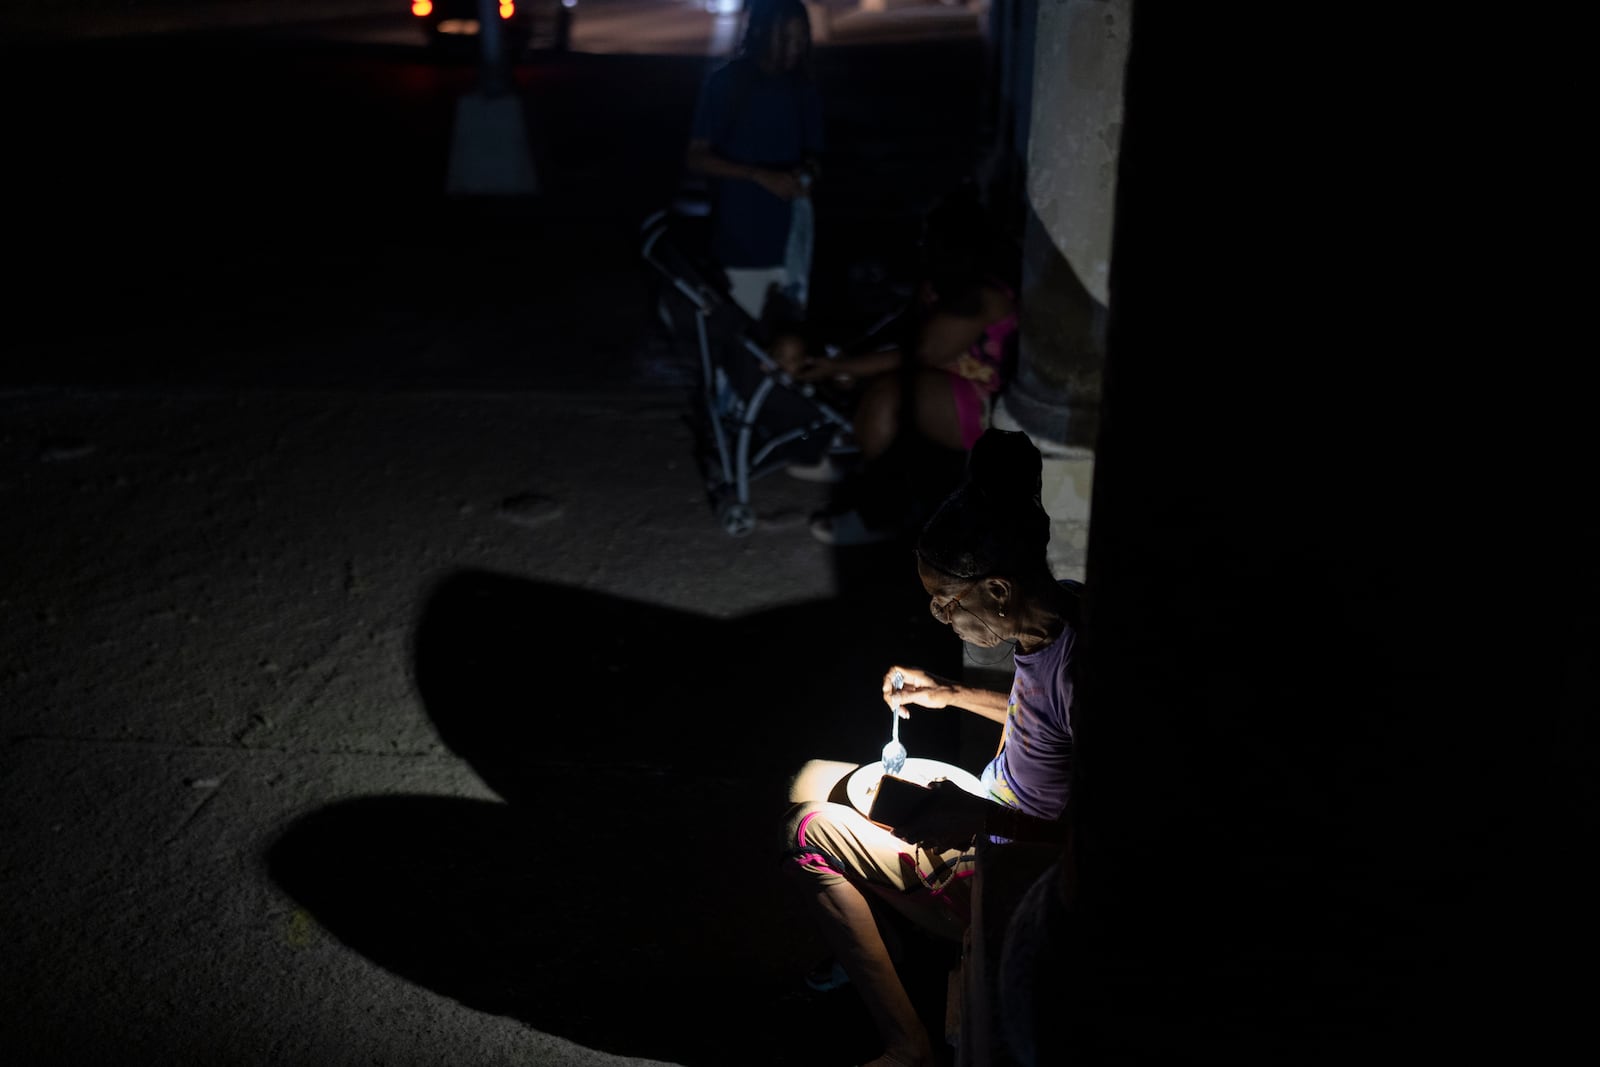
972, 408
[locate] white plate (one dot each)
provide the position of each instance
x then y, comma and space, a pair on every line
863, 781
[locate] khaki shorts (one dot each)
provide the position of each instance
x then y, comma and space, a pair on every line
826, 841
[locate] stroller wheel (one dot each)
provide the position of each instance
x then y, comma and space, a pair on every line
737, 519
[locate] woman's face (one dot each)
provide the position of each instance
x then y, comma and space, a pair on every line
789, 44
960, 604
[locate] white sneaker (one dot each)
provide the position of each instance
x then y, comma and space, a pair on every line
823, 470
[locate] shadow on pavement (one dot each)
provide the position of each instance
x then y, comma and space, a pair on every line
626, 894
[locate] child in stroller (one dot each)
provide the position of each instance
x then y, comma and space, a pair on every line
921, 385
750, 416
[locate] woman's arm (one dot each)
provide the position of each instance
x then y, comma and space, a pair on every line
953, 817
875, 352
947, 335
861, 365
702, 159
1003, 821
986, 702
930, 691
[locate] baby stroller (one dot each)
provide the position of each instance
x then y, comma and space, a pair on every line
750, 418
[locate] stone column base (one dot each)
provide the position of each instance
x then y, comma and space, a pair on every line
1068, 483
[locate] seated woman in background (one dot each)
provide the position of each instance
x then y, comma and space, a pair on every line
956, 352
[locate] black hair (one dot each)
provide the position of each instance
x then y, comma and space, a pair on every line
994, 522
761, 24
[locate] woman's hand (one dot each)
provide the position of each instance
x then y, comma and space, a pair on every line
951, 818
917, 687
789, 353
783, 184
974, 370
812, 370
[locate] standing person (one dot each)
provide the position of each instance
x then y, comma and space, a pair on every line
981, 558
956, 353
757, 135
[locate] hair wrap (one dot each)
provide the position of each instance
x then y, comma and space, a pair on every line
994, 521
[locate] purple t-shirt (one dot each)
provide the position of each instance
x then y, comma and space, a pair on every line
1030, 772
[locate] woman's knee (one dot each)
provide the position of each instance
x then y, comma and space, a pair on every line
938, 415
802, 856
799, 817
877, 420
819, 779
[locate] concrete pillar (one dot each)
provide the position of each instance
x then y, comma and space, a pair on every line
1008, 27
1081, 48
1075, 120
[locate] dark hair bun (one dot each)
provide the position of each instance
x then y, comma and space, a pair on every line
994, 522
1006, 466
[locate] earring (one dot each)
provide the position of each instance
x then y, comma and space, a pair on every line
1001, 613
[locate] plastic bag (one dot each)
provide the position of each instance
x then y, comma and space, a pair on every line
797, 257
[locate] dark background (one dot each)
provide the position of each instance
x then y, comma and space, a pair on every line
1336, 734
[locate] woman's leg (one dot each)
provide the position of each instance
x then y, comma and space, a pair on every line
834, 859
877, 417
819, 780
949, 409
851, 932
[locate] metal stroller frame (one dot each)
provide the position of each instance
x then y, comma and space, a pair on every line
744, 452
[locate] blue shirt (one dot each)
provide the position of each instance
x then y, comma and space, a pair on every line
764, 120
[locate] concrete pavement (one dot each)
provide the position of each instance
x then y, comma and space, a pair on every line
415, 728
312, 755
382, 688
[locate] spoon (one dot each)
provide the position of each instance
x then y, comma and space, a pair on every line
894, 753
